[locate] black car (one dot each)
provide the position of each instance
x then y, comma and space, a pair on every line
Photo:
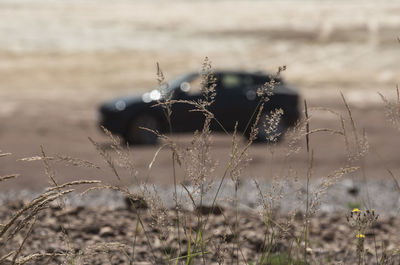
236, 100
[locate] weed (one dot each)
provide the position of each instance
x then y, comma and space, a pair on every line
360, 222
210, 234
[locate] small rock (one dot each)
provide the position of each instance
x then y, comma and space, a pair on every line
91, 229
228, 237
17, 204
335, 218
136, 203
353, 191
328, 236
70, 211
206, 210
52, 223
255, 238
156, 244
343, 228
106, 231
299, 216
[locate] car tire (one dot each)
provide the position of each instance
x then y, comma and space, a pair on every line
138, 136
273, 136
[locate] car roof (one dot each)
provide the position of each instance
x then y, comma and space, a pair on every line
282, 89
241, 72
229, 71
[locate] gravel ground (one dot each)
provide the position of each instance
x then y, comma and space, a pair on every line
99, 227
289, 195
109, 235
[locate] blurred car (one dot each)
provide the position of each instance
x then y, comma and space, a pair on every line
236, 101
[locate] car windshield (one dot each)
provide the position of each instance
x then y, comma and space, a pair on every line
174, 84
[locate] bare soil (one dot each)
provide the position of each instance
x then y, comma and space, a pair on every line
59, 61
63, 123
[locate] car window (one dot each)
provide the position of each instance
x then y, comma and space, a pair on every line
234, 81
261, 80
192, 87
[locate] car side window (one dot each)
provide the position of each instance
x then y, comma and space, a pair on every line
192, 87
234, 81
261, 80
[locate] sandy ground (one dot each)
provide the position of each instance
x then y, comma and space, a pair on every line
60, 60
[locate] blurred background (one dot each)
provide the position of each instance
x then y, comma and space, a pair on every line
60, 59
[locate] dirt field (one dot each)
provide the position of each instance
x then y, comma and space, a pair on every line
60, 60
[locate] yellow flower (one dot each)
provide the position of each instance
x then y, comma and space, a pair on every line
360, 235
356, 210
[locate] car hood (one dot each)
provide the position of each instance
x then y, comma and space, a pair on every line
120, 103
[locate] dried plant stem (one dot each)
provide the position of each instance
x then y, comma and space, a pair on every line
307, 127
237, 223
176, 201
345, 136
166, 104
392, 175
144, 230
310, 162
253, 114
232, 230
38, 201
5, 257
364, 175
135, 240
12, 176
107, 158
353, 124
4, 154
36, 256
49, 171
307, 215
24, 240
235, 155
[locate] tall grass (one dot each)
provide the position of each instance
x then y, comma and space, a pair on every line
185, 237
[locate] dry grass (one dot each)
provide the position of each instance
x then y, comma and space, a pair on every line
190, 231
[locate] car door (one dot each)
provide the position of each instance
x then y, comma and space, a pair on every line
183, 118
234, 101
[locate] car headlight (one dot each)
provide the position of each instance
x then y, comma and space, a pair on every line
120, 105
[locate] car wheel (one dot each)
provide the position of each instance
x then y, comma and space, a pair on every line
136, 135
268, 133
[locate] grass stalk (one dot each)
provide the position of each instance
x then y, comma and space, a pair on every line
310, 162
28, 233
